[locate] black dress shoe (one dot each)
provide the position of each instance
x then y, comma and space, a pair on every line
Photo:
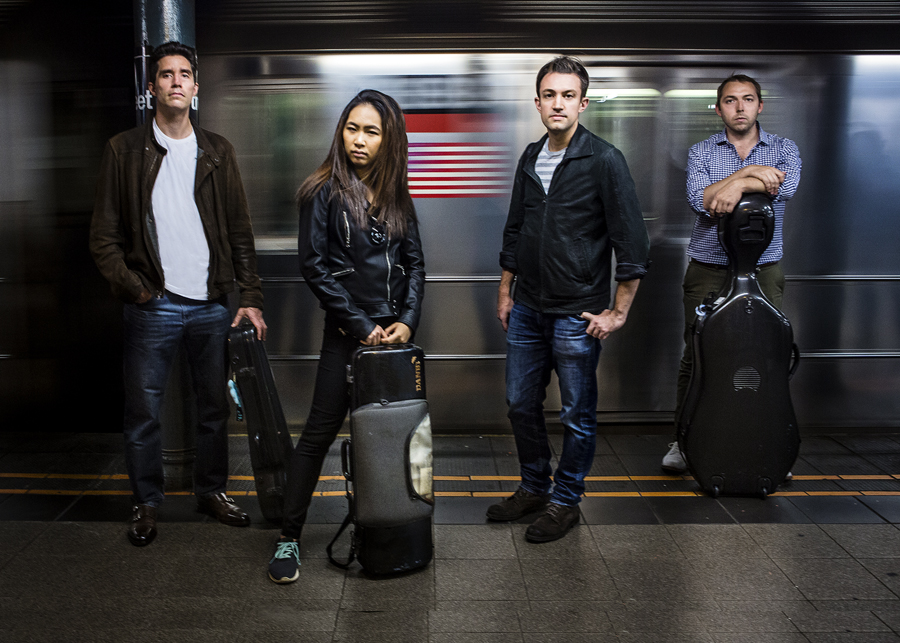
223, 509
142, 529
553, 524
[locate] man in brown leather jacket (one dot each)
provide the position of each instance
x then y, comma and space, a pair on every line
171, 233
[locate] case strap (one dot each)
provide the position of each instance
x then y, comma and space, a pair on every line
795, 351
351, 555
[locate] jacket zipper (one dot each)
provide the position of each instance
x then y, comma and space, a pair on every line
155, 247
387, 259
346, 230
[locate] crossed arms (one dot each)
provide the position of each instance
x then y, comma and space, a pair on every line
721, 197
707, 163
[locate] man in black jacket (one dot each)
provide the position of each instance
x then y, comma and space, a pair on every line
573, 203
171, 233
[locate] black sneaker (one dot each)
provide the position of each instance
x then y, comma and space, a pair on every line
553, 524
520, 504
285, 564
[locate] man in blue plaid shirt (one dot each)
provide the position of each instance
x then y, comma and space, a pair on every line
741, 158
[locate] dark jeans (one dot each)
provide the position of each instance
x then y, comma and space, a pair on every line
699, 281
536, 345
153, 332
331, 401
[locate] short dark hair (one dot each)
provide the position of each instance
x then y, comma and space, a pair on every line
737, 78
172, 48
564, 65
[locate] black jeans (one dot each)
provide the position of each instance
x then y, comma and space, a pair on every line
331, 400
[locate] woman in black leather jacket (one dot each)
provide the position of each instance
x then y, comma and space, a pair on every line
361, 255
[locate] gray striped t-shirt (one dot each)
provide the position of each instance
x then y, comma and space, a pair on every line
546, 164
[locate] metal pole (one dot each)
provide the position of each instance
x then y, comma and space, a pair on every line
156, 22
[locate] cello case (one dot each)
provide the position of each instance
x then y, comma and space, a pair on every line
737, 427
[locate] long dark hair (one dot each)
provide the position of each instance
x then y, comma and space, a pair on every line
387, 179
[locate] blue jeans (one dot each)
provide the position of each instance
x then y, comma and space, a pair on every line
536, 345
153, 332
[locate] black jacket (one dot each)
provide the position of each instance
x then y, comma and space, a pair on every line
559, 245
123, 237
355, 278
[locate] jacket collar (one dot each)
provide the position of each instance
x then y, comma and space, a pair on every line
203, 142
579, 146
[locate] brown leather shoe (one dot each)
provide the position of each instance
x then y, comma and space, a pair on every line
223, 509
142, 529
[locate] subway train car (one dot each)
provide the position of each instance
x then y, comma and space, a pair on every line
273, 79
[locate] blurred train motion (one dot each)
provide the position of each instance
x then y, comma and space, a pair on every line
469, 114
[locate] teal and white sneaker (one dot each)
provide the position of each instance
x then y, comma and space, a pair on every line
285, 564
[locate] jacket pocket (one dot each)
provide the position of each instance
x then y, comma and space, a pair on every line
583, 265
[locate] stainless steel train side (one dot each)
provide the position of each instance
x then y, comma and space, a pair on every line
272, 82
841, 259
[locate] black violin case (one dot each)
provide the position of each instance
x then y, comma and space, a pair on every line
737, 427
257, 401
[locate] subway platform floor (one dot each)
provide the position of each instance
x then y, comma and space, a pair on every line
653, 560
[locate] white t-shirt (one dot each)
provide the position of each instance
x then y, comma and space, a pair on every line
183, 248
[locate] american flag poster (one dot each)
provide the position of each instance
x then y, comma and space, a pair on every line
457, 155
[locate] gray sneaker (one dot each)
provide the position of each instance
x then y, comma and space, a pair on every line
553, 524
673, 461
518, 505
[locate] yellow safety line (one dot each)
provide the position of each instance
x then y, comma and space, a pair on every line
471, 478
870, 477
459, 494
72, 476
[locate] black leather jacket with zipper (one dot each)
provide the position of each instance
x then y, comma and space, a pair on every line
356, 277
559, 245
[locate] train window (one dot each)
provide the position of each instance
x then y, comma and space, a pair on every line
627, 118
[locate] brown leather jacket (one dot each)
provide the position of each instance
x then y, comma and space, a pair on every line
123, 238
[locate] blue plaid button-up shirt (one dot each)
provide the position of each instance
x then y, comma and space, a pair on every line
715, 159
